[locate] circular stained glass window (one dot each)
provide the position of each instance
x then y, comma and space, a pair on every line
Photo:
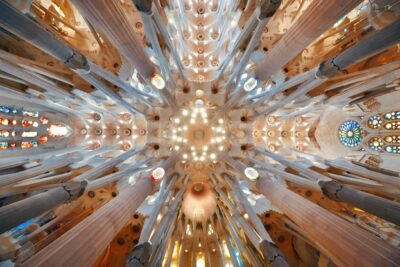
350, 133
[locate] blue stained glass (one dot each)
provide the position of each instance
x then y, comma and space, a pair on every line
363, 7
3, 145
350, 133
24, 225
5, 109
33, 113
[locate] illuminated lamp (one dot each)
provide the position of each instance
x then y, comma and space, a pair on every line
251, 174
158, 82
250, 84
157, 174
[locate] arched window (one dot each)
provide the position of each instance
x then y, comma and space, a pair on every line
350, 133
385, 128
36, 129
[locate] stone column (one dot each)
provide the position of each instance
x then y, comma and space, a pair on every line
243, 35
316, 19
108, 17
345, 243
114, 177
30, 78
383, 208
296, 80
272, 254
27, 29
84, 243
149, 223
48, 165
372, 45
263, 241
97, 170
267, 10
18, 212
142, 252
140, 256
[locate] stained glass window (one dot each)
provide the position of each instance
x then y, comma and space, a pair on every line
4, 121
28, 144
392, 125
4, 109
392, 139
57, 130
27, 137
375, 122
394, 115
30, 113
43, 139
3, 145
4, 133
29, 134
375, 143
29, 123
350, 133
44, 120
393, 149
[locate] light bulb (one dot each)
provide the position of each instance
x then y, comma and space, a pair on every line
157, 174
199, 102
251, 173
250, 84
158, 82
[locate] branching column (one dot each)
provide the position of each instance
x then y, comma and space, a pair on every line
344, 243
109, 17
18, 212
316, 19
83, 244
383, 208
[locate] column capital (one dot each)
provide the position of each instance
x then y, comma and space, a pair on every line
268, 8
78, 62
143, 6
330, 189
272, 254
75, 189
140, 255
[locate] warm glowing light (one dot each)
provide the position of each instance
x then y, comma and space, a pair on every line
29, 134
158, 82
209, 139
250, 84
57, 130
251, 173
157, 174
200, 262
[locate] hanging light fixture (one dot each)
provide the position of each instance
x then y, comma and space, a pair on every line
158, 81
251, 173
157, 174
250, 84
